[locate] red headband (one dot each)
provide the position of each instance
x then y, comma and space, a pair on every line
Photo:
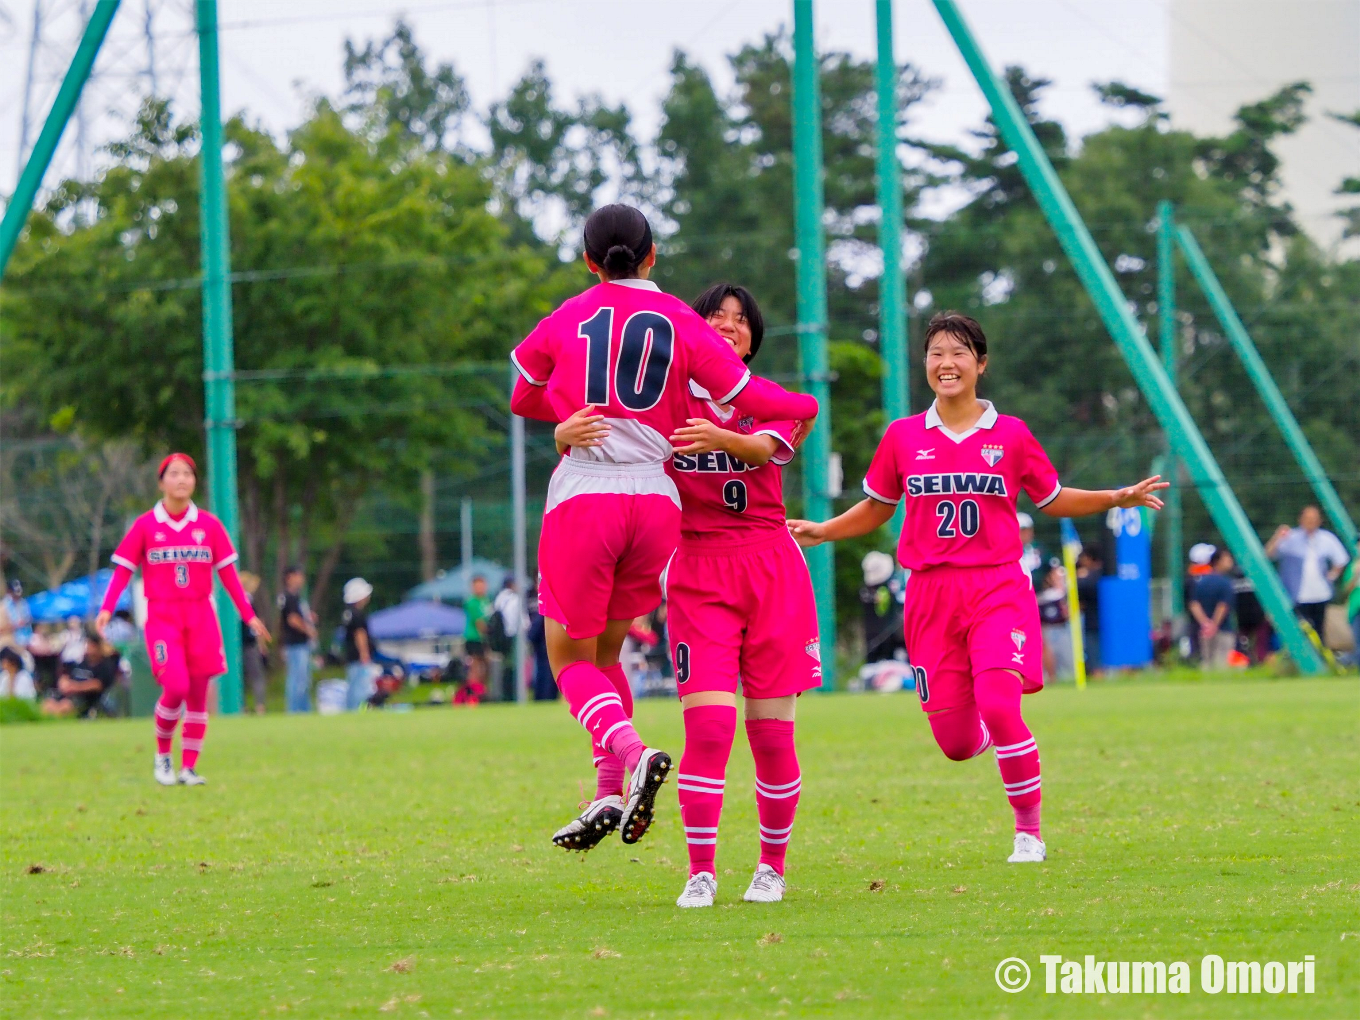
160, 473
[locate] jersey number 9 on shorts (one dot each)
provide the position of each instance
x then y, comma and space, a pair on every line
646, 350
681, 662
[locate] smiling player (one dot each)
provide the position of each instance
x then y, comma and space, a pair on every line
971, 620
178, 548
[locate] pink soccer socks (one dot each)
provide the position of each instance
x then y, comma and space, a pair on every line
598, 707
778, 782
608, 769
195, 722
709, 730
997, 693
167, 718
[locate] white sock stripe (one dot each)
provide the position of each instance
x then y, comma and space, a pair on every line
604, 740
699, 789
778, 796
595, 706
769, 839
702, 842
168, 718
1016, 754
702, 829
192, 745
766, 830
1029, 786
701, 779
777, 786
195, 717
1012, 747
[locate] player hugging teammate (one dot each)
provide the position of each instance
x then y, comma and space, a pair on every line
971, 620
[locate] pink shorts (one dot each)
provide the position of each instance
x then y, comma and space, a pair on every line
960, 621
600, 558
184, 640
743, 610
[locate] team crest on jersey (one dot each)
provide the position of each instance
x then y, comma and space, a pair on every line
746, 424
992, 453
199, 535
814, 648
1018, 638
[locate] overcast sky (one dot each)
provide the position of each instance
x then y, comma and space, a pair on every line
275, 54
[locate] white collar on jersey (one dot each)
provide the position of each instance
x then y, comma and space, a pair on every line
634, 282
987, 420
163, 516
704, 395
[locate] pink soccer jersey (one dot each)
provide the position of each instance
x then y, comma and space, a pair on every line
629, 349
720, 496
960, 490
177, 557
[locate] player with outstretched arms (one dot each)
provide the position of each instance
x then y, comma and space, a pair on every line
612, 516
971, 620
179, 548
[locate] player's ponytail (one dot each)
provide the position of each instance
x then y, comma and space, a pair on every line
618, 239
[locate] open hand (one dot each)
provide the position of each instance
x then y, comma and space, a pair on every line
584, 428
1141, 494
701, 435
102, 620
260, 631
807, 533
802, 430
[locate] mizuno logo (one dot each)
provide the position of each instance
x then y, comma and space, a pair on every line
927, 454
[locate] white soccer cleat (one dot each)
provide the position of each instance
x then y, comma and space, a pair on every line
640, 797
191, 778
586, 830
767, 886
164, 771
699, 891
1028, 849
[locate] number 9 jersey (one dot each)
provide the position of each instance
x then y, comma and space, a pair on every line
959, 490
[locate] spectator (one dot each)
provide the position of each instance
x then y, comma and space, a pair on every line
298, 625
1090, 569
45, 655
15, 681
121, 632
358, 642
1253, 626
1350, 587
252, 655
1054, 614
1310, 559
882, 609
82, 685
16, 622
73, 645
506, 620
476, 609
1211, 608
545, 687
1032, 558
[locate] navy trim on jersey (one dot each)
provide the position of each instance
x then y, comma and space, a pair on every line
1051, 496
737, 389
524, 372
874, 495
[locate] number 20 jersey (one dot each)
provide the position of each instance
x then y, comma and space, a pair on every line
630, 350
959, 490
721, 497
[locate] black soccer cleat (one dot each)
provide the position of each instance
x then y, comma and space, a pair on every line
591, 826
647, 779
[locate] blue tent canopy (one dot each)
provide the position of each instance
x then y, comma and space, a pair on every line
80, 597
416, 620
454, 585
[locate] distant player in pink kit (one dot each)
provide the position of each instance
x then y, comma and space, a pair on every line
971, 620
612, 517
178, 548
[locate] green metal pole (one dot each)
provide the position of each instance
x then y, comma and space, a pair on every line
892, 296
218, 359
1128, 336
1265, 386
21, 202
1166, 321
807, 204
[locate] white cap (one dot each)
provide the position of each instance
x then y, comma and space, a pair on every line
356, 590
1201, 553
1024, 520
878, 567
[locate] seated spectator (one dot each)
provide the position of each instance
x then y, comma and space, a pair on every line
81, 685
15, 681
1054, 614
45, 657
1211, 608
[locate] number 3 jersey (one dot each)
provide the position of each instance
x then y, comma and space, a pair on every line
720, 495
178, 557
959, 490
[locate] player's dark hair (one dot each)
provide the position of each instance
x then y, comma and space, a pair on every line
711, 300
618, 239
962, 327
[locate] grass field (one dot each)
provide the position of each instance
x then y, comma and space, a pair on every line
399, 865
